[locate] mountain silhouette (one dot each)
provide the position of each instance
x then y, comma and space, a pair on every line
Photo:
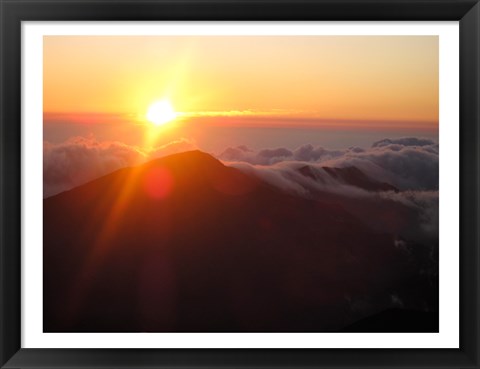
187, 244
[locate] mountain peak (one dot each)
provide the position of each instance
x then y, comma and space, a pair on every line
189, 158
181, 173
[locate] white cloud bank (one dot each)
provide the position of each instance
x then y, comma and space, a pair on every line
79, 160
405, 163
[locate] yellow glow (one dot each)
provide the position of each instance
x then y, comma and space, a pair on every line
161, 112
361, 78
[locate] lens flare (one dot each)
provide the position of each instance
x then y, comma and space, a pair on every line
158, 183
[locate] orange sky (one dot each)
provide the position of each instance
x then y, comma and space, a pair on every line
360, 78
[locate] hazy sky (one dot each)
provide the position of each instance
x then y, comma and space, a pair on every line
329, 77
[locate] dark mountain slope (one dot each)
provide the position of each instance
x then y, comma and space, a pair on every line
184, 243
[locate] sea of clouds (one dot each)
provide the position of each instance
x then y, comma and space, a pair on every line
409, 164
406, 163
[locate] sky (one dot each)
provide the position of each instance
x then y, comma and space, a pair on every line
332, 82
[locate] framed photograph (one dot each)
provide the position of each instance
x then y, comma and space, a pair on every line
239, 184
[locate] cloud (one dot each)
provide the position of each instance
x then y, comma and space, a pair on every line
406, 163
271, 156
80, 159
404, 141
425, 203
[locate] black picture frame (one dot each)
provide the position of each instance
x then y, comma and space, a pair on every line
13, 12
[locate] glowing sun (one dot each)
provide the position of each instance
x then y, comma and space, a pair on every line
161, 112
